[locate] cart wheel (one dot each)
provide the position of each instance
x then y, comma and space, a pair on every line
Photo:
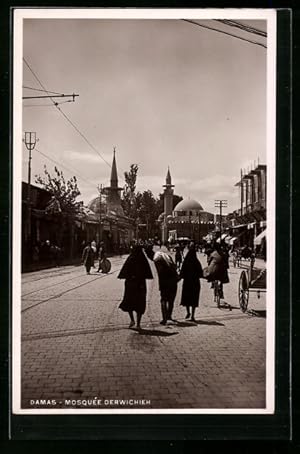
243, 291
105, 266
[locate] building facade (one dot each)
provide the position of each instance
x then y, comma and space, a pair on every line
248, 224
187, 220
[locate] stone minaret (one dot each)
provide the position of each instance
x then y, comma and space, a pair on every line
168, 195
113, 191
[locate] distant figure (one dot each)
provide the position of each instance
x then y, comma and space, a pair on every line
135, 271
191, 272
178, 257
101, 255
168, 278
94, 246
88, 257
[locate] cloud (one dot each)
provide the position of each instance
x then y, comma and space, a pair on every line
88, 158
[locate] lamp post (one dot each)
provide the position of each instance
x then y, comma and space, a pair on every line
30, 142
100, 214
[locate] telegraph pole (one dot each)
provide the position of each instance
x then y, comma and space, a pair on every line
30, 142
100, 214
220, 204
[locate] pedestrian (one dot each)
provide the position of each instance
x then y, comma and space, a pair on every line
167, 278
191, 272
88, 257
217, 267
135, 271
178, 257
101, 255
94, 246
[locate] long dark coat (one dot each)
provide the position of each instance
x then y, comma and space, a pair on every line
135, 271
191, 272
167, 277
88, 256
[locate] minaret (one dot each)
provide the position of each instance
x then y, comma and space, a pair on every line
168, 195
113, 191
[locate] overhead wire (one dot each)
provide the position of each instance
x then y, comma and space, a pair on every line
65, 116
241, 26
72, 170
224, 32
45, 91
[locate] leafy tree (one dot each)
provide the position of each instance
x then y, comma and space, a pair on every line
63, 193
129, 195
176, 199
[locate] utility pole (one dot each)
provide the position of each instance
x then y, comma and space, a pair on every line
220, 204
100, 214
30, 142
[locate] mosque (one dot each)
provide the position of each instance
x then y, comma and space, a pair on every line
112, 225
187, 220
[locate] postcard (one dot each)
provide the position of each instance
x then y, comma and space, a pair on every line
144, 211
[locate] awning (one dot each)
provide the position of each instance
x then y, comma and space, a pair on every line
260, 237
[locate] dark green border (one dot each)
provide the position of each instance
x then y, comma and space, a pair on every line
163, 427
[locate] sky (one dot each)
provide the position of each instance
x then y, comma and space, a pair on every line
163, 92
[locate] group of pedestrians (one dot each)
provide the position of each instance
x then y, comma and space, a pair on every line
91, 253
136, 270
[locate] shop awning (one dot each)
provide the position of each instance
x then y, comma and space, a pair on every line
259, 238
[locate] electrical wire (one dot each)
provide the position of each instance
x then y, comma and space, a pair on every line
46, 105
65, 116
67, 168
45, 91
225, 33
241, 26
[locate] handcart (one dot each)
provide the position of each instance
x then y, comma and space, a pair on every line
251, 280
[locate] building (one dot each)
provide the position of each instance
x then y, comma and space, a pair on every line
187, 220
112, 226
248, 223
102, 220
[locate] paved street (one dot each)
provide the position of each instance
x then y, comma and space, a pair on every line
76, 345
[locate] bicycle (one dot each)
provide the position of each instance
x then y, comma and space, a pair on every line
218, 295
218, 292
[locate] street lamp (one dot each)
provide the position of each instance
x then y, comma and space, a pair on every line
30, 142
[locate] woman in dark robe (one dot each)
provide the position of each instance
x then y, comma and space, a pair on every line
135, 271
191, 272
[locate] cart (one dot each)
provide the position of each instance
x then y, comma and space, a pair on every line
251, 280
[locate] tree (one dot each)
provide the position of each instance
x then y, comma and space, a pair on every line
63, 193
176, 199
129, 196
148, 211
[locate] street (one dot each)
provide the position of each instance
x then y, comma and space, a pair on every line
76, 346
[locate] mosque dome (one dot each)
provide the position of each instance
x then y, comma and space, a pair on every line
94, 205
188, 205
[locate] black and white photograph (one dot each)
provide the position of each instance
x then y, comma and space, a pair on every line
144, 211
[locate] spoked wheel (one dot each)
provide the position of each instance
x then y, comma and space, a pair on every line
243, 291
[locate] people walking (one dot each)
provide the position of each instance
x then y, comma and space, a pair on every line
191, 272
135, 271
167, 278
88, 257
101, 255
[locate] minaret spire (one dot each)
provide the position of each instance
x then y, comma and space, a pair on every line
114, 174
168, 177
